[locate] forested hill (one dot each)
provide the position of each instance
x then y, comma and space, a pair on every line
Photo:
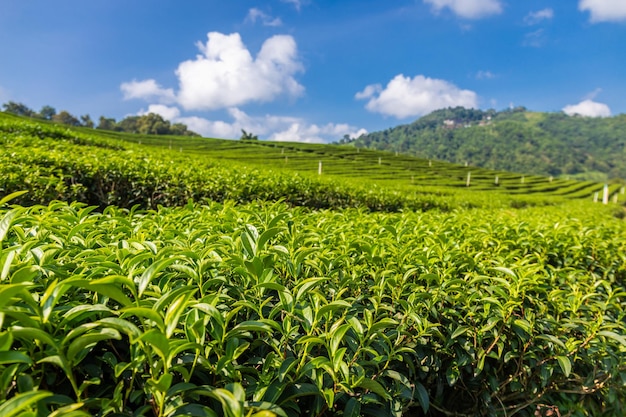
513, 140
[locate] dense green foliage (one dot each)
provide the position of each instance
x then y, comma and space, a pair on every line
147, 124
514, 140
383, 287
225, 310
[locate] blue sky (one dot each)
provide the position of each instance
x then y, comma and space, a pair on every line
312, 70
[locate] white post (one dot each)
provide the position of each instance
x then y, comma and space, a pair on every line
379, 160
466, 163
522, 179
497, 180
605, 194
412, 178
396, 153
551, 178
319, 168
430, 163
286, 159
469, 176
623, 190
615, 198
595, 197
358, 150
170, 143
282, 151
180, 149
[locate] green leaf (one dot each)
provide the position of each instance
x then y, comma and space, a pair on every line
353, 408
612, 335
8, 291
84, 342
565, 364
31, 333
267, 235
22, 402
375, 387
10, 197
174, 311
306, 285
158, 341
337, 336
422, 397
9, 357
332, 307
146, 313
5, 223
150, 272
461, 330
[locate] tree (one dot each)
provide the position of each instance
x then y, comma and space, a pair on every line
248, 136
129, 124
66, 118
105, 123
47, 112
153, 124
18, 109
86, 120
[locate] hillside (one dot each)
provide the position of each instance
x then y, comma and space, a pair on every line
514, 140
102, 168
167, 276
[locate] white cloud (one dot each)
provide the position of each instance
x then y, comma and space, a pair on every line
485, 75
255, 14
604, 10
535, 39
534, 18
588, 108
468, 9
147, 90
405, 97
278, 128
168, 113
297, 3
227, 75
369, 91
297, 132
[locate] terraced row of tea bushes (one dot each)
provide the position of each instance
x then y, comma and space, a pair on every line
55, 164
58, 168
262, 310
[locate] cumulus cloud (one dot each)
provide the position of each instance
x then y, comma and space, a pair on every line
147, 90
468, 9
534, 18
226, 74
406, 97
255, 15
588, 108
604, 10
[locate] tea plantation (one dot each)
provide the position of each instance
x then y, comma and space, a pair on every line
152, 276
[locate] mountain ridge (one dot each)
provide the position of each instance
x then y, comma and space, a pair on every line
517, 140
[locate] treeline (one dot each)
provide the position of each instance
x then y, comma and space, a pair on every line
148, 124
513, 140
